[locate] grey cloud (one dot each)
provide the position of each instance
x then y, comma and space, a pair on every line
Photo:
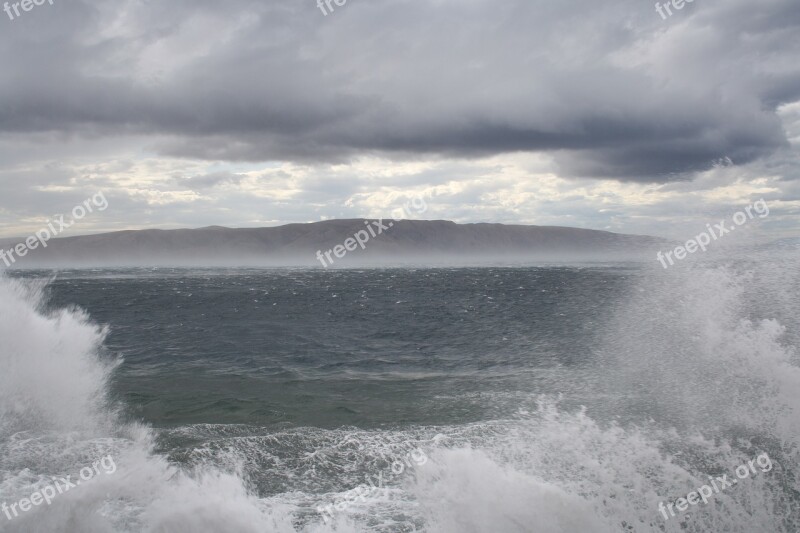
208, 181
611, 89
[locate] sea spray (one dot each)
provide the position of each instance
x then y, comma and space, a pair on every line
693, 375
55, 418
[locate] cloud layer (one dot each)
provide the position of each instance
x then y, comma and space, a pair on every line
614, 89
186, 102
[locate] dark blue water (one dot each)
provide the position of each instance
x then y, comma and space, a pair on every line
370, 348
548, 399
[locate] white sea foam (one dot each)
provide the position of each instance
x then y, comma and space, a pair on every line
709, 368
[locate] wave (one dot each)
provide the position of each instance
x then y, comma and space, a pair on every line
697, 375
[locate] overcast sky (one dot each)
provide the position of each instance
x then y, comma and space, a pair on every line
189, 113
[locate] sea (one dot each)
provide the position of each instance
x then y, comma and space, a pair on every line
546, 398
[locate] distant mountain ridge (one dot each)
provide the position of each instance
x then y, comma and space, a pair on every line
297, 244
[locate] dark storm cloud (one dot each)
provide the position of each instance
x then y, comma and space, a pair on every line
610, 88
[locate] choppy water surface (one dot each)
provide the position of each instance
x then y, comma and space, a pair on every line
547, 399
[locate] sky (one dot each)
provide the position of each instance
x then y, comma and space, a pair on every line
240, 113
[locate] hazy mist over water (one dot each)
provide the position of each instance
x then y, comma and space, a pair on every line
335, 244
